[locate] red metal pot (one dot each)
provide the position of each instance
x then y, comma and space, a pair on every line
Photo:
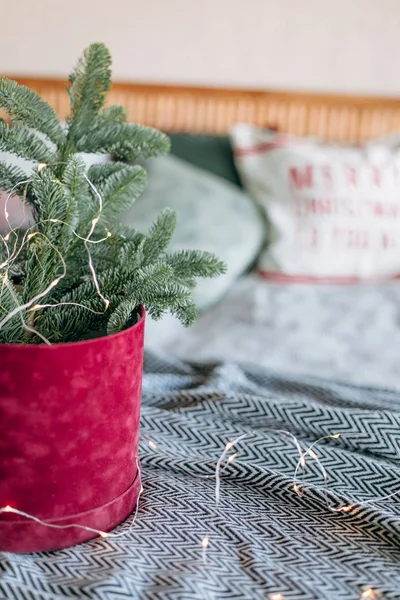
69, 433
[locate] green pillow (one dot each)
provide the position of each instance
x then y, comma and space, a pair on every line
209, 152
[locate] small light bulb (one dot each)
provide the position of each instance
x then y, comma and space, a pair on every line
152, 445
7, 237
109, 234
103, 534
232, 458
141, 490
303, 461
228, 446
369, 593
107, 303
276, 597
205, 542
345, 509
37, 307
41, 166
336, 436
95, 221
54, 283
8, 508
312, 454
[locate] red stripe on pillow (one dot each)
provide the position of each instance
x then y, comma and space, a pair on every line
264, 147
279, 277
259, 148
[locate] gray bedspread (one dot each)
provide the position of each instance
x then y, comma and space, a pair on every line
347, 332
263, 539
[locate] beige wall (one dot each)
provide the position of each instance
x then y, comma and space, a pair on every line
336, 45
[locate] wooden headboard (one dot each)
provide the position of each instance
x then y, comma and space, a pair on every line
211, 110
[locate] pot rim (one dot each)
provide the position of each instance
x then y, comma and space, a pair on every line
93, 341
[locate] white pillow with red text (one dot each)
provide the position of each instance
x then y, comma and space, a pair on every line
333, 212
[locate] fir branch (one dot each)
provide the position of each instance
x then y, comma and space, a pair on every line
121, 189
12, 178
15, 267
113, 114
187, 313
70, 323
131, 253
175, 298
50, 199
159, 236
196, 263
44, 263
99, 173
122, 316
125, 141
132, 268
18, 140
13, 331
90, 82
25, 105
76, 192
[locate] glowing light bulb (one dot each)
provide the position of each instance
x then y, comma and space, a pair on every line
345, 509
152, 445
7, 237
228, 446
312, 454
95, 221
109, 234
103, 534
205, 542
37, 307
41, 166
276, 597
303, 462
8, 508
371, 594
232, 458
336, 436
54, 283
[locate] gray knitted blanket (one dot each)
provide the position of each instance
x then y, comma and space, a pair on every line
264, 541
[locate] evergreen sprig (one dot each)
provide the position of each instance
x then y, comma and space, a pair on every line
45, 270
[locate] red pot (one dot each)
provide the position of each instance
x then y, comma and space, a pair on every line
69, 433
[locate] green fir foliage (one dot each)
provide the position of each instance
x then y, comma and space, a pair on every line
78, 272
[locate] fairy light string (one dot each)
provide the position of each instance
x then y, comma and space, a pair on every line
86, 242
34, 303
367, 593
103, 534
223, 462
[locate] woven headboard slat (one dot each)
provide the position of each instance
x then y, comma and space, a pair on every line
214, 111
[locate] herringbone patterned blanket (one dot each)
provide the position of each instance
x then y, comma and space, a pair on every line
263, 539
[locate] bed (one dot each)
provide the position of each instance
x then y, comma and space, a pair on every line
312, 329
317, 361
